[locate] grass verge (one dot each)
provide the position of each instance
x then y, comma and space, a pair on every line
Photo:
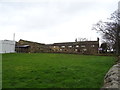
47, 70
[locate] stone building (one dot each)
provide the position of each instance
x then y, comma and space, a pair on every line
24, 46
81, 47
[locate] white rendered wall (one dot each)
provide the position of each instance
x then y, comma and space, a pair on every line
7, 46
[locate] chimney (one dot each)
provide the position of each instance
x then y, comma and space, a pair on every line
76, 40
98, 39
14, 37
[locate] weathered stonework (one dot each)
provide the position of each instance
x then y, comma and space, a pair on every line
34, 47
112, 78
82, 47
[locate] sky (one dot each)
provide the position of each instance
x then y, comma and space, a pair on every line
52, 21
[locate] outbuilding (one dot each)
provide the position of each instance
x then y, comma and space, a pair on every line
7, 46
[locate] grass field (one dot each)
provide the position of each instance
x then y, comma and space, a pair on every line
47, 70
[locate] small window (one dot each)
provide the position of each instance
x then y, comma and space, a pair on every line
54, 46
85, 49
92, 45
63, 46
60, 49
69, 46
82, 45
76, 50
77, 45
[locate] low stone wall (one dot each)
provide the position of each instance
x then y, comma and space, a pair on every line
112, 78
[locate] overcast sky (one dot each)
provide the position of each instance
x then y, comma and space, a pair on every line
50, 21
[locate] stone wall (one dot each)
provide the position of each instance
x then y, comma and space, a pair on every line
112, 78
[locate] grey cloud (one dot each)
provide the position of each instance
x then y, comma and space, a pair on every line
54, 13
39, 16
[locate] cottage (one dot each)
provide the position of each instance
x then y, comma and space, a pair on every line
81, 47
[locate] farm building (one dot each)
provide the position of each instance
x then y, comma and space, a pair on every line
7, 46
24, 46
81, 47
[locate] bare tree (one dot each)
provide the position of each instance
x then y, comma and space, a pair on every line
110, 30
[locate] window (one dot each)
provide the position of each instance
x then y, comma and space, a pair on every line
69, 46
85, 49
60, 49
82, 45
92, 45
63, 46
76, 50
77, 45
54, 46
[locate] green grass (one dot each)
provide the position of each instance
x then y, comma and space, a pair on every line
47, 70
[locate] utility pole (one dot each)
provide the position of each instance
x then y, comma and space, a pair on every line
14, 37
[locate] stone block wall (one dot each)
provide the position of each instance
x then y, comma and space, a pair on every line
112, 78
